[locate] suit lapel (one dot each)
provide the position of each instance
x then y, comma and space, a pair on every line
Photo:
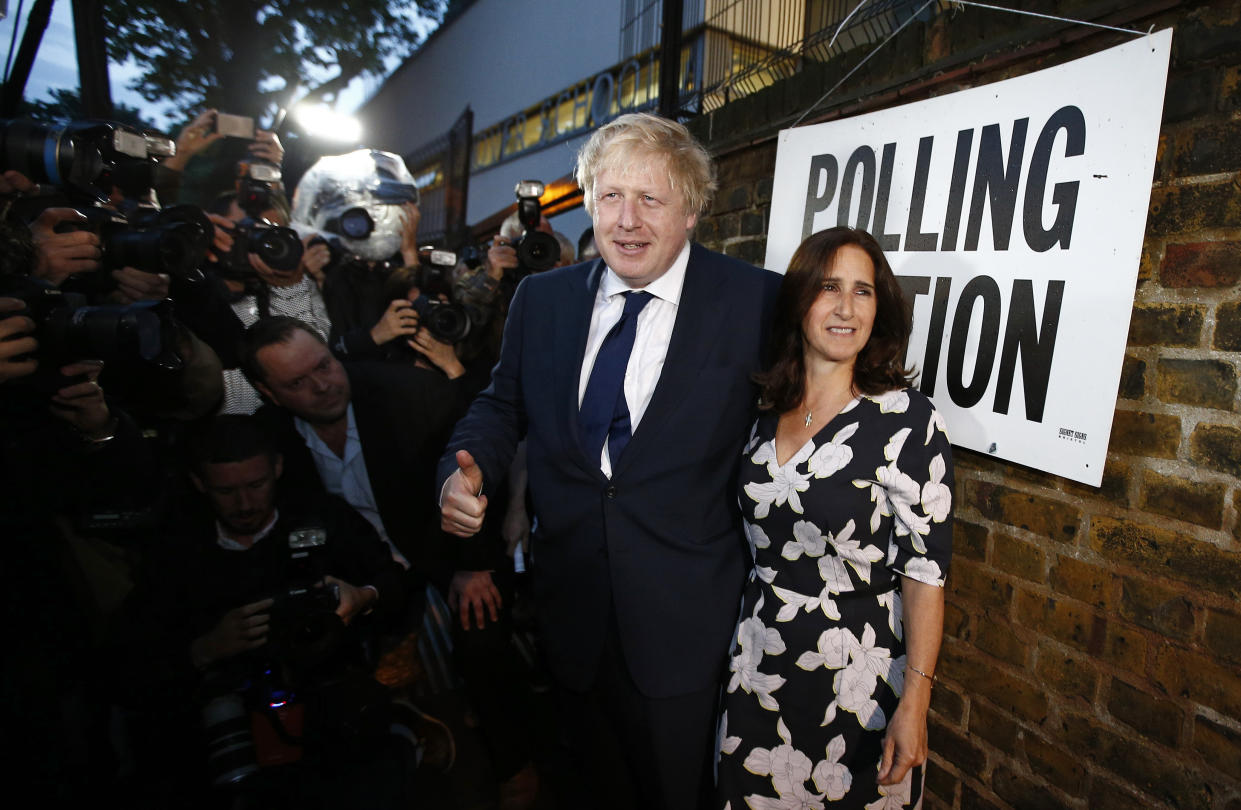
699, 317
572, 328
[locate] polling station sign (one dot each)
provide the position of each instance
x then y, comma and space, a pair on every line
1013, 215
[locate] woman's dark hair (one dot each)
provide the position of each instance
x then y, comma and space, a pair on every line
878, 367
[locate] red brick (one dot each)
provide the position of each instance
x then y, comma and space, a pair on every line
969, 540
1114, 488
1228, 327
1166, 325
1137, 762
1189, 208
1201, 383
1084, 582
1133, 378
1024, 560
1223, 635
974, 799
1052, 762
1207, 149
955, 747
948, 704
1188, 674
1217, 447
1154, 717
1070, 675
1167, 553
1201, 264
1043, 516
1062, 619
1153, 606
998, 639
1124, 648
1145, 434
994, 726
956, 619
1193, 501
1219, 746
980, 678
971, 583
1023, 793
940, 784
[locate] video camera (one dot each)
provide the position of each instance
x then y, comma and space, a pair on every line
171, 240
67, 330
85, 158
536, 251
279, 248
447, 321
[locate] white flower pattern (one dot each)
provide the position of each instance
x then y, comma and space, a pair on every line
865, 500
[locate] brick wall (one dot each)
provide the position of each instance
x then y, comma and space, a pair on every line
1092, 651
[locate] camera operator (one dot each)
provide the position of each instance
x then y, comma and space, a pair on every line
194, 139
363, 206
65, 452
260, 290
254, 615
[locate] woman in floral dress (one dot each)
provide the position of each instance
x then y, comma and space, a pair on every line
847, 495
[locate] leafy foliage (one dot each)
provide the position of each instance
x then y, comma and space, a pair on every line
65, 105
241, 56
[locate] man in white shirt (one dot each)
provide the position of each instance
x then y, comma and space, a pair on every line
629, 378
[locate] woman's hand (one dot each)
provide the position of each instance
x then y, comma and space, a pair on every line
904, 745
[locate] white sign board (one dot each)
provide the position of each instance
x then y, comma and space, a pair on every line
1013, 215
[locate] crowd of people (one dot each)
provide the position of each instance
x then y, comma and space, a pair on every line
247, 450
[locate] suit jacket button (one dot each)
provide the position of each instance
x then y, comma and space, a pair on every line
610, 492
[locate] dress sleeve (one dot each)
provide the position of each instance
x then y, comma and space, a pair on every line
919, 489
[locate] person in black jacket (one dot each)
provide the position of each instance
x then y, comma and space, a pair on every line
260, 608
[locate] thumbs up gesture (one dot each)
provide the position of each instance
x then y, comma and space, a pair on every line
462, 506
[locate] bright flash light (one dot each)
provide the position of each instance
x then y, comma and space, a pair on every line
322, 121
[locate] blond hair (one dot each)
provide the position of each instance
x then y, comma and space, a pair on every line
621, 142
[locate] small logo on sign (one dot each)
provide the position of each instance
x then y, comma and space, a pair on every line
1073, 435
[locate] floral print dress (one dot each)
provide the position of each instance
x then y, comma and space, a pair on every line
819, 658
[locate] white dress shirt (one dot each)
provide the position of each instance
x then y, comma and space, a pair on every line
347, 477
650, 345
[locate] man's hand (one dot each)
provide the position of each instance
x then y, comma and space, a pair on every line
195, 137
13, 182
241, 629
515, 529
221, 238
15, 341
314, 258
442, 355
82, 404
133, 285
270, 275
501, 256
398, 320
60, 255
462, 508
352, 599
267, 146
474, 592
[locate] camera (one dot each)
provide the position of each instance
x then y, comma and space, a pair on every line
172, 240
536, 251
447, 322
67, 330
85, 158
256, 180
303, 621
279, 248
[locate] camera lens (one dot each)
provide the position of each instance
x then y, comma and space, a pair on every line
356, 223
538, 251
279, 248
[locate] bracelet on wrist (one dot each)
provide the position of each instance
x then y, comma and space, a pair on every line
930, 678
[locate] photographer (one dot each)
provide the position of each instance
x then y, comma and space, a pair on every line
261, 605
66, 452
243, 237
364, 207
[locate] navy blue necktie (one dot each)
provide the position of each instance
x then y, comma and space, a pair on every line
604, 412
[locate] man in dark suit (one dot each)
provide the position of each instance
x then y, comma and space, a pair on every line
630, 379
